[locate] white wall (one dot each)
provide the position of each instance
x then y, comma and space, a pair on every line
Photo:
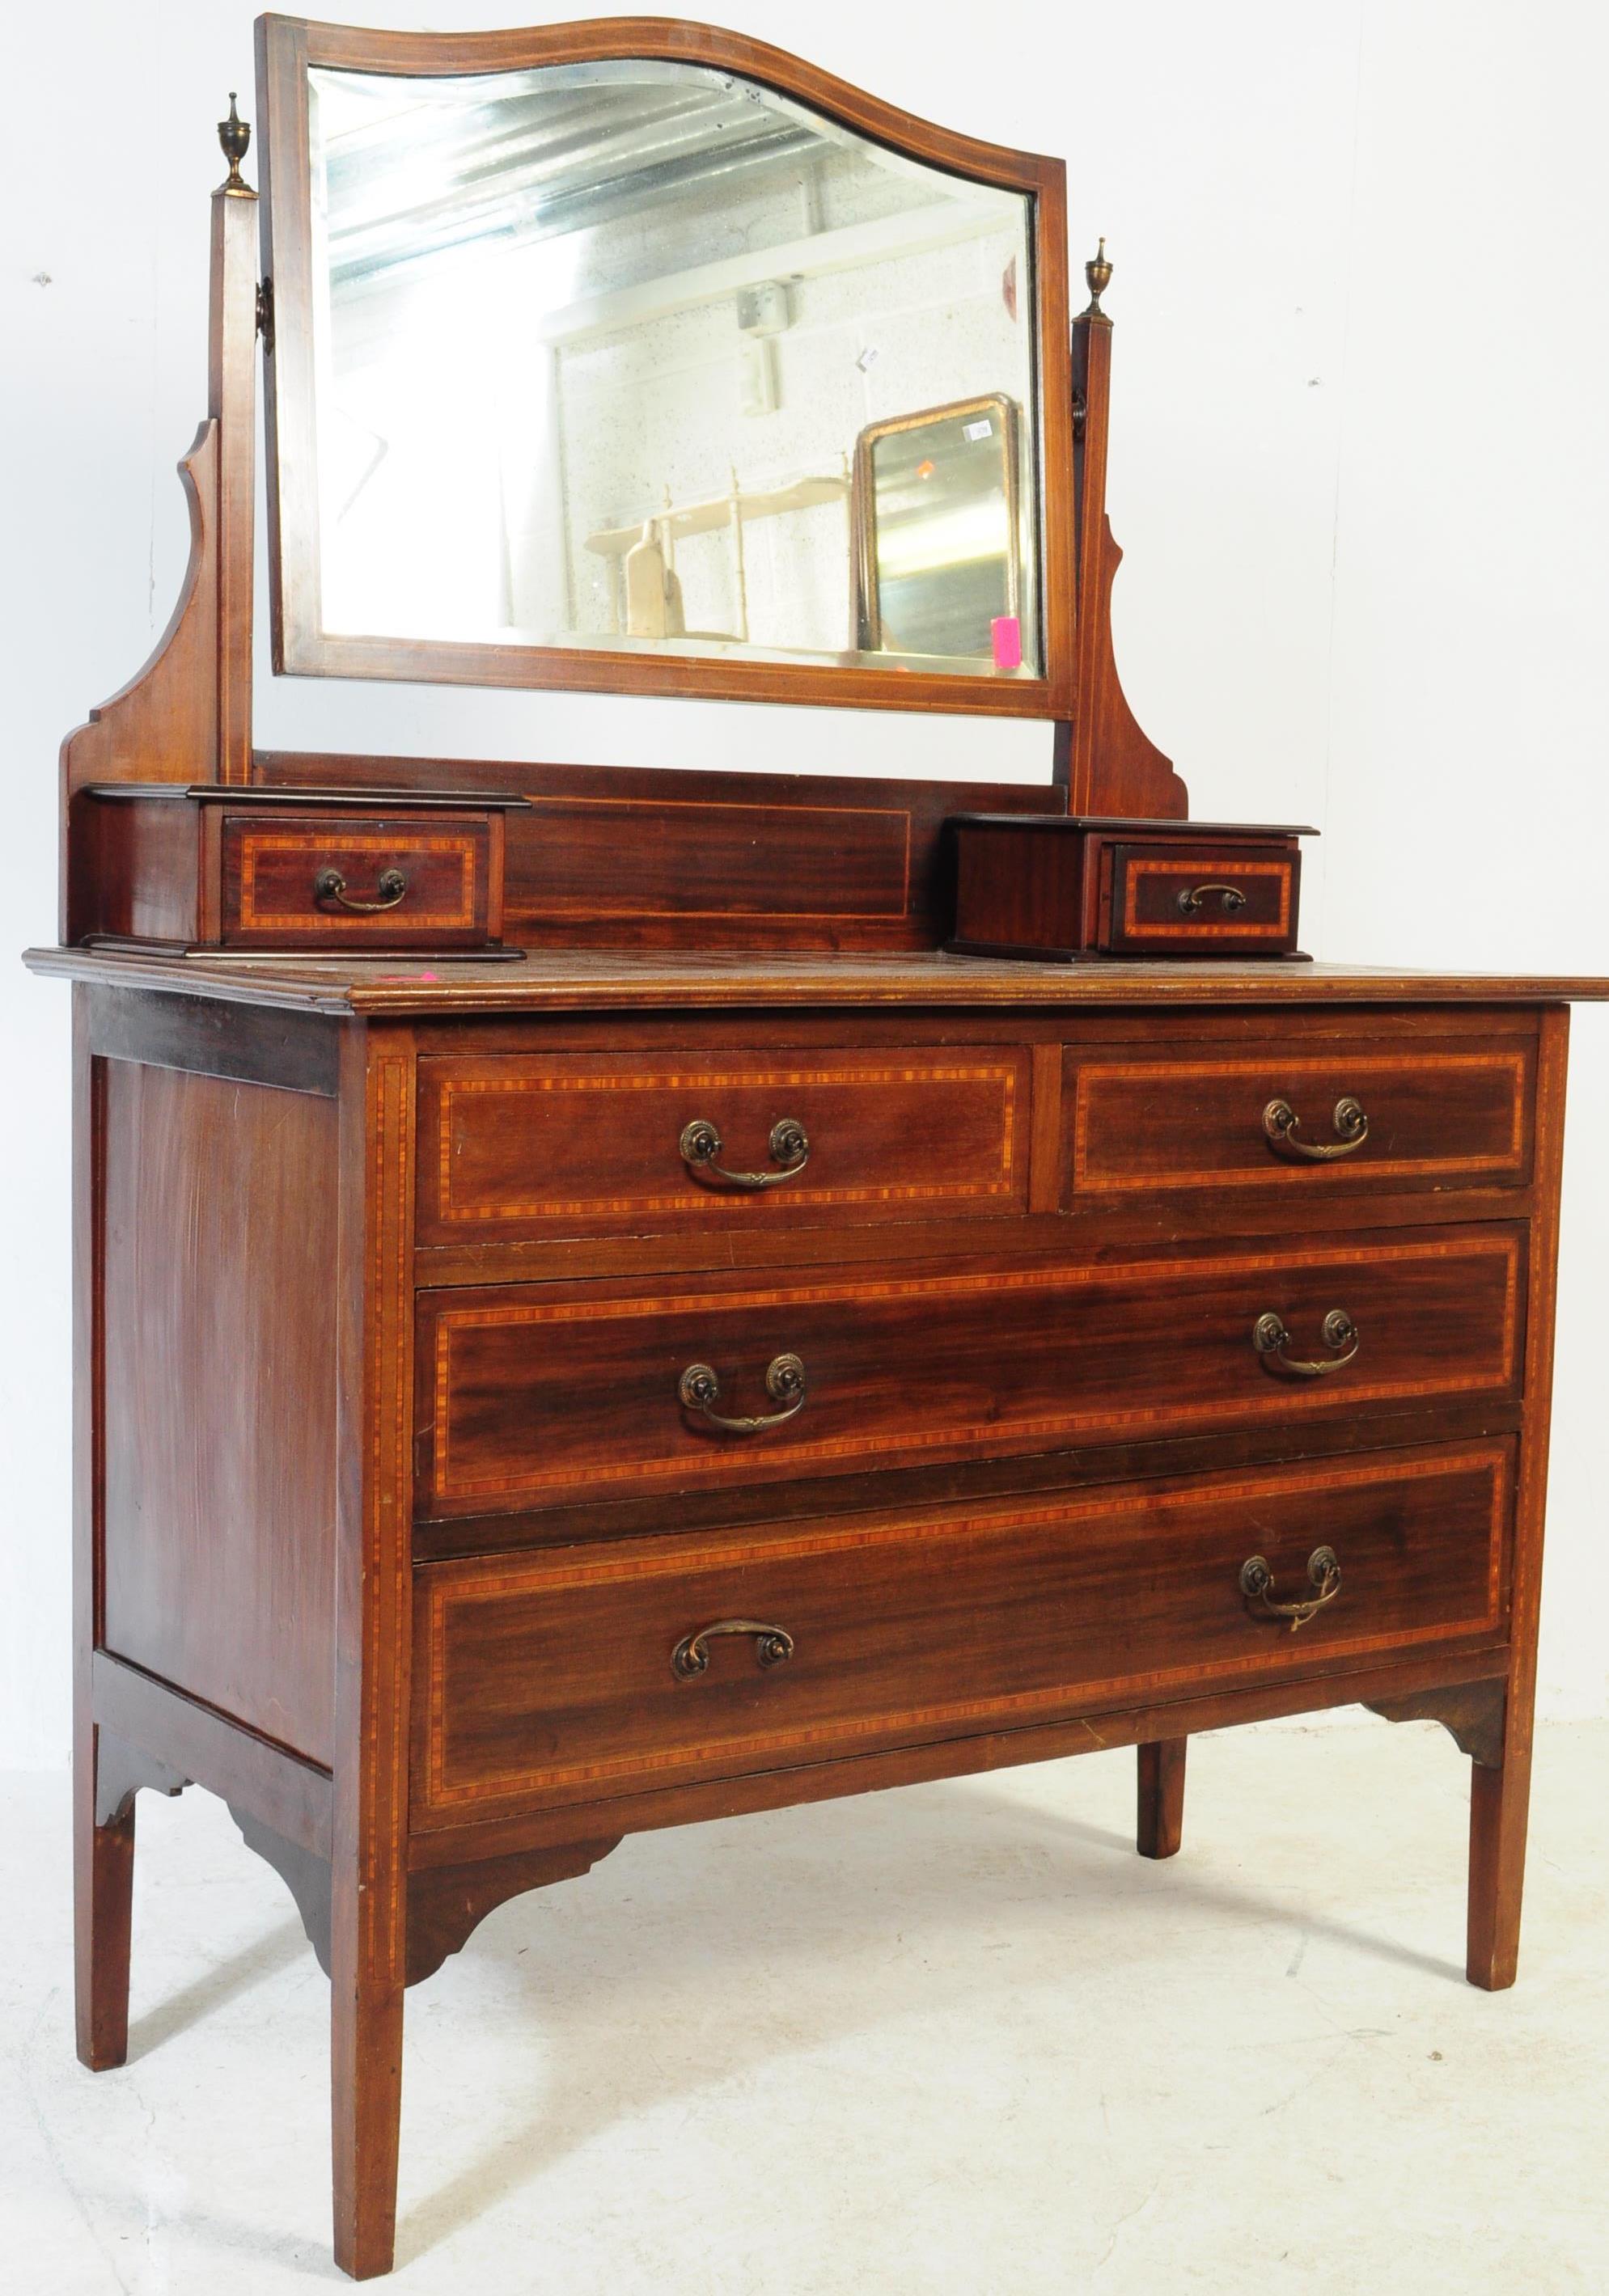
1357, 466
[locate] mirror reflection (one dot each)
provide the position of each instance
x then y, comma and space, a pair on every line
938, 550
644, 355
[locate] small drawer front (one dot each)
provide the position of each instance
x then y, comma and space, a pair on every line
405, 883
544, 1395
1364, 1115
512, 1146
1200, 900
578, 1674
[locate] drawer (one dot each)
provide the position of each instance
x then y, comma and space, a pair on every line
542, 1395
1071, 886
290, 881
1363, 1114
512, 1146
557, 1678
1181, 900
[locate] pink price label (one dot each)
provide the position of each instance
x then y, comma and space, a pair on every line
1005, 632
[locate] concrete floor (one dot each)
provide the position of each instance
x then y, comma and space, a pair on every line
958, 2039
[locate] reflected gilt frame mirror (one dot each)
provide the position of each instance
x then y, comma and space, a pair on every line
675, 225
939, 546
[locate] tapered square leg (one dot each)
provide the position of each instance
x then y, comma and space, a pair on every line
102, 1914
374, 1623
1499, 1804
1162, 1796
366, 2065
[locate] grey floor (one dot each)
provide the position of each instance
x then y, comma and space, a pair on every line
959, 2039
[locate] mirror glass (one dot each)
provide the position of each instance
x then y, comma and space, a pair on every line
645, 356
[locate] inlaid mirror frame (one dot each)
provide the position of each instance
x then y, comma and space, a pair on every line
289, 48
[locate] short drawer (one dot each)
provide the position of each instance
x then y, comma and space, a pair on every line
1354, 1116
512, 1145
1071, 886
1157, 900
545, 1395
574, 1675
290, 881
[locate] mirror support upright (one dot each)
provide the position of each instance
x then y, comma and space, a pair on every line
186, 715
233, 316
1104, 761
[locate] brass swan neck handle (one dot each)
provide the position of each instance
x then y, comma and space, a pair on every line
1324, 1574
1194, 897
1280, 1123
699, 1388
691, 1657
1271, 1340
330, 885
700, 1145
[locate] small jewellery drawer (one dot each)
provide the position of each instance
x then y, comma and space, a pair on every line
1073, 886
1453, 1113
1173, 900
545, 1395
514, 1146
291, 880
580, 1673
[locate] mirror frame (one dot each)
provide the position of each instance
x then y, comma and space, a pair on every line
287, 46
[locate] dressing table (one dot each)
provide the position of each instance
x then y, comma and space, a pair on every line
592, 1312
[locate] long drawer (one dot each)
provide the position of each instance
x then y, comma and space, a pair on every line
581, 1673
515, 1146
542, 1395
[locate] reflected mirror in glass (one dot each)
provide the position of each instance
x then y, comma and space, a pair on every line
594, 348
939, 554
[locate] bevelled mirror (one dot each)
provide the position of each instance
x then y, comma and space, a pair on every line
595, 366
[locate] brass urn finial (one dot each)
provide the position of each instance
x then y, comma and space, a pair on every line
234, 135
1098, 270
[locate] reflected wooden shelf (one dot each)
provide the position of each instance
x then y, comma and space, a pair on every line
649, 547
682, 519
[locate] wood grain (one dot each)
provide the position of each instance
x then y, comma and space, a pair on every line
1103, 760
555, 1399
1472, 1713
1095, 1728
599, 980
522, 1146
1161, 1818
1435, 1115
447, 1904
102, 1853
551, 1679
1071, 889
284, 1790
270, 869
194, 866
296, 1051
231, 403
186, 715
368, 1940
219, 1565
1500, 1796
162, 725
746, 860
1147, 883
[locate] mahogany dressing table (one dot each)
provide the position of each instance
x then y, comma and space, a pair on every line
590, 1313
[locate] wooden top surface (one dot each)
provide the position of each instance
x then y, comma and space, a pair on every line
611, 981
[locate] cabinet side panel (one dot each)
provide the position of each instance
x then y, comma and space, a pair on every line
220, 1236
134, 864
